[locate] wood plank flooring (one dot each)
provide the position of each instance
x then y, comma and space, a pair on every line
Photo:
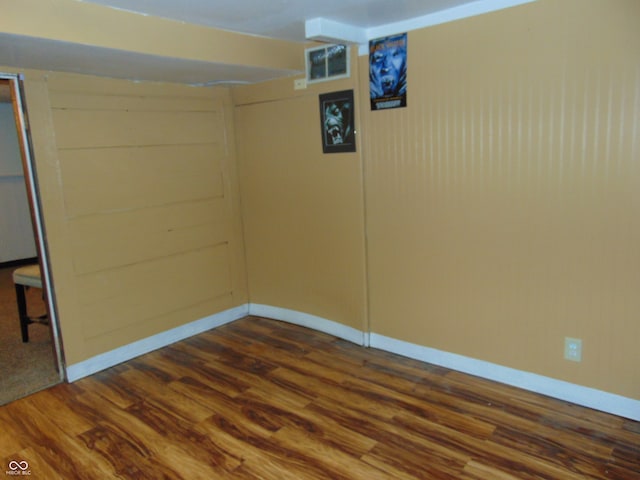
261, 399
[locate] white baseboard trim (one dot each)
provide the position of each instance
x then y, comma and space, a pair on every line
585, 396
310, 321
154, 342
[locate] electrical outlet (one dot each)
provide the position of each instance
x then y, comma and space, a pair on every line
300, 84
573, 349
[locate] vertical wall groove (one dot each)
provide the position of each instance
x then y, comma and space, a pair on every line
503, 209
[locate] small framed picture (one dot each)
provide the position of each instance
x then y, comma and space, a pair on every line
329, 62
337, 122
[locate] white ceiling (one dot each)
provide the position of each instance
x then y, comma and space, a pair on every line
344, 21
284, 19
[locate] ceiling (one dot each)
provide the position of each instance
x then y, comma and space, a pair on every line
283, 19
336, 21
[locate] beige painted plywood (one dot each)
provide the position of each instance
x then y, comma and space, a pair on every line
302, 212
126, 238
105, 128
143, 328
132, 101
139, 177
140, 205
503, 204
116, 298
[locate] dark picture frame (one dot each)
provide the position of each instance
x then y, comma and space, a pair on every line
337, 123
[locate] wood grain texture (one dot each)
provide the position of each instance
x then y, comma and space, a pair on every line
261, 399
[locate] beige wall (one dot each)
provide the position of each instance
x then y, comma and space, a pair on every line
139, 197
503, 204
302, 210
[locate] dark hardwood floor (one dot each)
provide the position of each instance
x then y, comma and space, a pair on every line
260, 399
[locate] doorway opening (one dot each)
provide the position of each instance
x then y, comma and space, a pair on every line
26, 367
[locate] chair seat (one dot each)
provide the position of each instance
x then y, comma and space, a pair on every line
28, 276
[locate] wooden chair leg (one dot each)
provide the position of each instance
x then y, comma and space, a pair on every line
22, 312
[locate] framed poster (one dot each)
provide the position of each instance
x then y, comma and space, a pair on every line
388, 72
327, 63
337, 122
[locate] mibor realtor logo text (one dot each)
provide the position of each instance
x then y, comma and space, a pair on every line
16, 467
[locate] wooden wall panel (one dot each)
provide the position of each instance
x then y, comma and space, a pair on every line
107, 128
112, 299
146, 327
124, 238
141, 201
118, 102
302, 209
120, 177
503, 205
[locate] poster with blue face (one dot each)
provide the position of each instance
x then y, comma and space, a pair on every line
388, 72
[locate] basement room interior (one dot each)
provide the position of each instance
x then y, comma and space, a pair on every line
347, 239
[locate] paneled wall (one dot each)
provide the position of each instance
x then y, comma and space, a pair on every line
503, 204
496, 214
302, 209
140, 200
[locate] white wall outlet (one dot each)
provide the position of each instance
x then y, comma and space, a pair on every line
573, 349
300, 84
